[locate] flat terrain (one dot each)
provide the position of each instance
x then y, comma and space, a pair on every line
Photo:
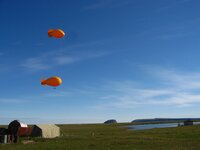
114, 137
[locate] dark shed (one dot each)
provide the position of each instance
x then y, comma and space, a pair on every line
188, 122
36, 131
13, 129
23, 131
110, 121
3, 131
14, 126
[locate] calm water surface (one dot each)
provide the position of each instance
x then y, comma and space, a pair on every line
153, 126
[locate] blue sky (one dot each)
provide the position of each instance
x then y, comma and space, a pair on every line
120, 60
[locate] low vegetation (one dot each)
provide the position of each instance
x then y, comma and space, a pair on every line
113, 137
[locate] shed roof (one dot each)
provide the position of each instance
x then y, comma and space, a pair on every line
42, 126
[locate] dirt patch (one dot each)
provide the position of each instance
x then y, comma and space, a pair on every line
28, 142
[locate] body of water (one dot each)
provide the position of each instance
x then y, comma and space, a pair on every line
153, 126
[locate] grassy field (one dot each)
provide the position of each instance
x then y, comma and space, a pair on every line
115, 137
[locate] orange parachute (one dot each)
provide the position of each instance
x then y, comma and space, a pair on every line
52, 81
57, 33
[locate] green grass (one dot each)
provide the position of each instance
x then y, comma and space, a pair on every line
115, 137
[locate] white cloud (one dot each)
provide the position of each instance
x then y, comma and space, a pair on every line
99, 4
14, 100
35, 64
179, 89
179, 80
176, 88
57, 94
63, 60
172, 5
108, 4
57, 58
173, 36
185, 1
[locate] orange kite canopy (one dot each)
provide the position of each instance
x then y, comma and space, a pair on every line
53, 81
57, 33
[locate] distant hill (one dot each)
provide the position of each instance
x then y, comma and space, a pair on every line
110, 121
166, 120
